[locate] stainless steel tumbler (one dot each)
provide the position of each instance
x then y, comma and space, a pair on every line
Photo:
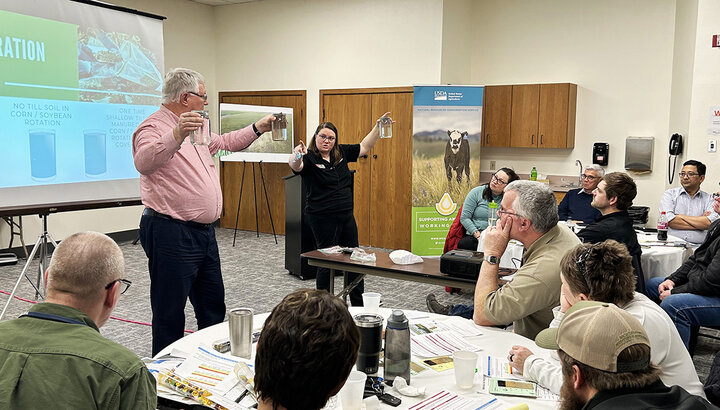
241, 326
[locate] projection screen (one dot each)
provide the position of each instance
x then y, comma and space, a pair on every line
77, 79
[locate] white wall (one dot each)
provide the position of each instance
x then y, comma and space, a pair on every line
325, 44
619, 53
705, 91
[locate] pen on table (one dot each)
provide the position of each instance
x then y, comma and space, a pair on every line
242, 396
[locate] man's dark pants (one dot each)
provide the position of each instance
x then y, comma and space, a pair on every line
183, 261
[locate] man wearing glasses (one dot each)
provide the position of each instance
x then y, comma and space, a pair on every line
688, 209
691, 294
180, 189
54, 356
528, 213
576, 203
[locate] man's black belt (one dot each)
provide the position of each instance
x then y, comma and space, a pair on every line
152, 212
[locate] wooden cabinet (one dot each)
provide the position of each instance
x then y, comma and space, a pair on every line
382, 181
497, 107
543, 115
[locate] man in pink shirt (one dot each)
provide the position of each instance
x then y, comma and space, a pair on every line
180, 189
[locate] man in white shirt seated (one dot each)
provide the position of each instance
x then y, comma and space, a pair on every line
689, 210
603, 272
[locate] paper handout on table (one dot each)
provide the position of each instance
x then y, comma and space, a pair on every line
439, 344
500, 367
450, 401
459, 325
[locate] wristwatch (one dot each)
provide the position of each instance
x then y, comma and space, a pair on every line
491, 259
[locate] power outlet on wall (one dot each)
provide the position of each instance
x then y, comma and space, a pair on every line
492, 164
712, 145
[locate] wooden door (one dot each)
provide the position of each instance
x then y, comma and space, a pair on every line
496, 115
391, 174
556, 120
231, 173
524, 121
351, 114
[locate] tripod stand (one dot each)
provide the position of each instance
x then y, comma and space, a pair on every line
41, 245
267, 201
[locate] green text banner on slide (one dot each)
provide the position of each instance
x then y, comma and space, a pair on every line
77, 79
447, 126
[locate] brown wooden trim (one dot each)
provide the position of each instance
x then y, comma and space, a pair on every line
366, 90
297, 93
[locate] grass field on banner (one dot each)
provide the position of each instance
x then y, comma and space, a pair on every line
430, 181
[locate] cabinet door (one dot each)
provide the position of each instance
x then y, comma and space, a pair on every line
556, 120
524, 121
496, 115
391, 173
352, 116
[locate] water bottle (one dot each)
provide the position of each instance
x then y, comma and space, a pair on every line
279, 127
662, 227
385, 124
397, 347
533, 174
492, 213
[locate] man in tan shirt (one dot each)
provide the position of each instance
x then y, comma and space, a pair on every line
528, 214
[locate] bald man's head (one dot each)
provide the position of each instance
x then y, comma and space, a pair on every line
83, 264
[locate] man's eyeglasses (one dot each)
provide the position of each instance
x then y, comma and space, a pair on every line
716, 195
124, 283
204, 97
504, 212
588, 177
688, 174
327, 138
498, 180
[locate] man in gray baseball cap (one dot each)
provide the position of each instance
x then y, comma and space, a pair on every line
605, 357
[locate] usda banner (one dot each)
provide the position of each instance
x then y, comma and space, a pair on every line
447, 122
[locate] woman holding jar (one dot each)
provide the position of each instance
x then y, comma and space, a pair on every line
475, 211
323, 165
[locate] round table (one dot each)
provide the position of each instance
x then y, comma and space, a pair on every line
493, 341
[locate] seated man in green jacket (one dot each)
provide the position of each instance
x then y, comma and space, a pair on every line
54, 356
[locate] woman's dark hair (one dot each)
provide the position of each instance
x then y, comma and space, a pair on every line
335, 155
512, 176
307, 347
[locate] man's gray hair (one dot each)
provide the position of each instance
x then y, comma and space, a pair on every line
536, 202
179, 81
595, 167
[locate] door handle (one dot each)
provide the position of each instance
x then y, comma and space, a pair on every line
541, 139
487, 138
532, 139
364, 156
374, 156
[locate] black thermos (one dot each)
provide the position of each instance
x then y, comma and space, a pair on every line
370, 326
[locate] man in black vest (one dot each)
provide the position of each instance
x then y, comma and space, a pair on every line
612, 197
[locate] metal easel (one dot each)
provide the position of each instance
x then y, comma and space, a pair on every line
41, 245
267, 201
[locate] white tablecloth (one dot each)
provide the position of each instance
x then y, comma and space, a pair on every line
661, 261
493, 341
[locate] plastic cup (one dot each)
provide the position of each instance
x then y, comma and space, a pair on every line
371, 302
465, 364
351, 394
95, 152
42, 154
